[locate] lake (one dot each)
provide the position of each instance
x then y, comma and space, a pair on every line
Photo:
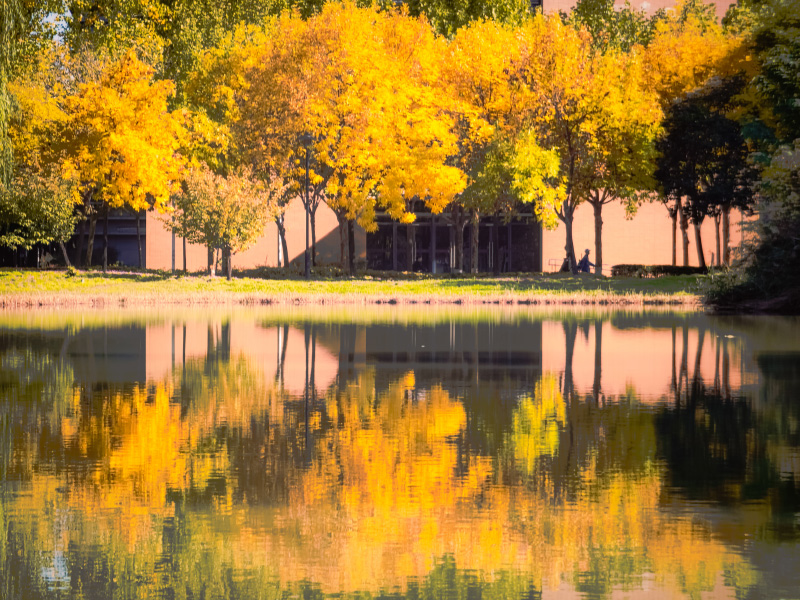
385, 452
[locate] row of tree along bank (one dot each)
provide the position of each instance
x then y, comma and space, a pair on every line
216, 118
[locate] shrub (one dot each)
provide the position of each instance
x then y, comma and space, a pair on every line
654, 270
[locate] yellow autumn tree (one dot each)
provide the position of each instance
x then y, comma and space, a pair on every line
570, 86
121, 143
356, 84
487, 107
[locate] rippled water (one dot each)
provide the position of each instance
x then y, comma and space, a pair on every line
396, 453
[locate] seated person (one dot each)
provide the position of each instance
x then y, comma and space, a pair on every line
584, 264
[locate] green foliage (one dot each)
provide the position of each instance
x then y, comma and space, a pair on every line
612, 28
221, 212
36, 209
448, 16
776, 39
23, 30
703, 154
653, 270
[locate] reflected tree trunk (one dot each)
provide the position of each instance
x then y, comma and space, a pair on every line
598, 345
726, 369
674, 382
683, 374
701, 337
570, 334
716, 366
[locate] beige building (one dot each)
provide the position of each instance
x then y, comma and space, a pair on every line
645, 238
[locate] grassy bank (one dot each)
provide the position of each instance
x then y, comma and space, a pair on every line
22, 288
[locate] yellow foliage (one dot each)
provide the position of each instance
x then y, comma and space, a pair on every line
121, 142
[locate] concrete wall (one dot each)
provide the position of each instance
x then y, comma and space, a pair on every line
649, 6
644, 239
264, 252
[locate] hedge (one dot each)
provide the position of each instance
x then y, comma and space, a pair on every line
654, 270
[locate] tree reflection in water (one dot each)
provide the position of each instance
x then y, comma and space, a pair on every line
430, 459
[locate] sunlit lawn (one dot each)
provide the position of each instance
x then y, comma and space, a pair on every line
273, 285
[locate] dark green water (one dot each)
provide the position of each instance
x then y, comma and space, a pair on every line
398, 453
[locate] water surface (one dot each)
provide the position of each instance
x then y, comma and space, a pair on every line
429, 453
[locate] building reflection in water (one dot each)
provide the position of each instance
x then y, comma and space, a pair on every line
256, 453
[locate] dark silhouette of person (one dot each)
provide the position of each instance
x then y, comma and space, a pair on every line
584, 264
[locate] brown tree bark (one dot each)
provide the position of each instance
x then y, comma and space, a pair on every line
313, 214
496, 244
701, 259
726, 235
64, 252
475, 233
139, 239
90, 243
105, 241
673, 215
567, 217
351, 246
597, 205
717, 219
280, 223
410, 243
685, 237
79, 257
458, 220
227, 262
341, 218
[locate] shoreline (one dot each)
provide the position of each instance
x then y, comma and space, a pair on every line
93, 289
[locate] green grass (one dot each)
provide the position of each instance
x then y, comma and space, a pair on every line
60, 287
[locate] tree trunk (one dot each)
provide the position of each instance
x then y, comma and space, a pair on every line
105, 241
459, 245
410, 246
475, 231
212, 267
673, 215
81, 239
351, 246
280, 223
227, 262
496, 244
701, 259
726, 235
313, 215
64, 252
185, 271
598, 236
139, 239
716, 239
567, 217
685, 237
90, 243
342, 219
